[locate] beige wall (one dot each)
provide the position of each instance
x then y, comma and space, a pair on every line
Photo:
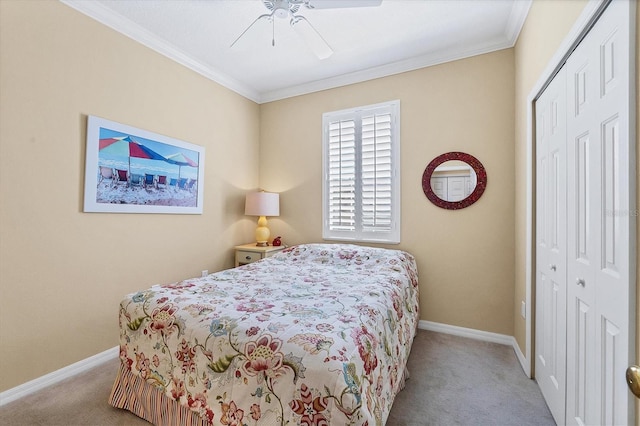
63, 272
466, 257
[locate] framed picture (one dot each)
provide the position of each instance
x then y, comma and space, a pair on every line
130, 170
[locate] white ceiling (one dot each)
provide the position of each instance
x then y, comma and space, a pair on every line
368, 42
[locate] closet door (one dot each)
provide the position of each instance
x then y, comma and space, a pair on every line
600, 162
551, 225
583, 211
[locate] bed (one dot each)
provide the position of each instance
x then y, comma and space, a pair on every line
317, 334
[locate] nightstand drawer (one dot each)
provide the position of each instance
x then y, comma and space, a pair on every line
244, 257
249, 253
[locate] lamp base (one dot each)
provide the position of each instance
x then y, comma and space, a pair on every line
262, 233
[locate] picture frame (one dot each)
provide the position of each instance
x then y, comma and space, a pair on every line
130, 170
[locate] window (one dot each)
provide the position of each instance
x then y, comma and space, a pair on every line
361, 169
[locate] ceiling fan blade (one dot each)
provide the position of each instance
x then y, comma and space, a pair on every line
334, 4
266, 15
311, 36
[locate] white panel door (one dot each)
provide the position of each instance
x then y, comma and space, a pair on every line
600, 339
551, 225
439, 186
583, 207
457, 188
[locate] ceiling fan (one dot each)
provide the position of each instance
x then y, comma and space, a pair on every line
289, 8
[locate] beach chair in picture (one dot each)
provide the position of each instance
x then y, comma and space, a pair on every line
105, 173
192, 185
149, 181
173, 183
120, 176
182, 183
136, 180
161, 183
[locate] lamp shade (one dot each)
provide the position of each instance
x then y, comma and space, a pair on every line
262, 204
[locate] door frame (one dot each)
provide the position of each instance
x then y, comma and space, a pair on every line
581, 27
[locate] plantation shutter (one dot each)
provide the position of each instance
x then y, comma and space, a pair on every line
361, 188
376, 173
342, 176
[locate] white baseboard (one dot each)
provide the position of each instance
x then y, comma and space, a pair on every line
521, 358
471, 333
95, 360
58, 376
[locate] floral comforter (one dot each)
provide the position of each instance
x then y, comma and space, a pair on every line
318, 334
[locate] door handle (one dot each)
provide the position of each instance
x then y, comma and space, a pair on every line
580, 281
633, 380
553, 267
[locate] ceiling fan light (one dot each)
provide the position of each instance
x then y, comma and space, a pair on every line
281, 13
281, 8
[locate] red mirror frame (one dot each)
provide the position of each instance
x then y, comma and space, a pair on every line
477, 166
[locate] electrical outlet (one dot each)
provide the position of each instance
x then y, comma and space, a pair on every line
523, 309
205, 272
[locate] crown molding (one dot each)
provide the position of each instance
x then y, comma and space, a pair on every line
132, 30
519, 12
381, 71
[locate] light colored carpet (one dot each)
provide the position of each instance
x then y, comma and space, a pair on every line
454, 381
459, 381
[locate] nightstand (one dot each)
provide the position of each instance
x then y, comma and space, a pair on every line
249, 253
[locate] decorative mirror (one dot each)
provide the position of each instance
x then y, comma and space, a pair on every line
454, 180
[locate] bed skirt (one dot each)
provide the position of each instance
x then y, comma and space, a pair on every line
132, 393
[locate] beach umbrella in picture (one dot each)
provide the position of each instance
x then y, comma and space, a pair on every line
180, 160
127, 147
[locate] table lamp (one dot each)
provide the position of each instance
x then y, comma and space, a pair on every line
262, 204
